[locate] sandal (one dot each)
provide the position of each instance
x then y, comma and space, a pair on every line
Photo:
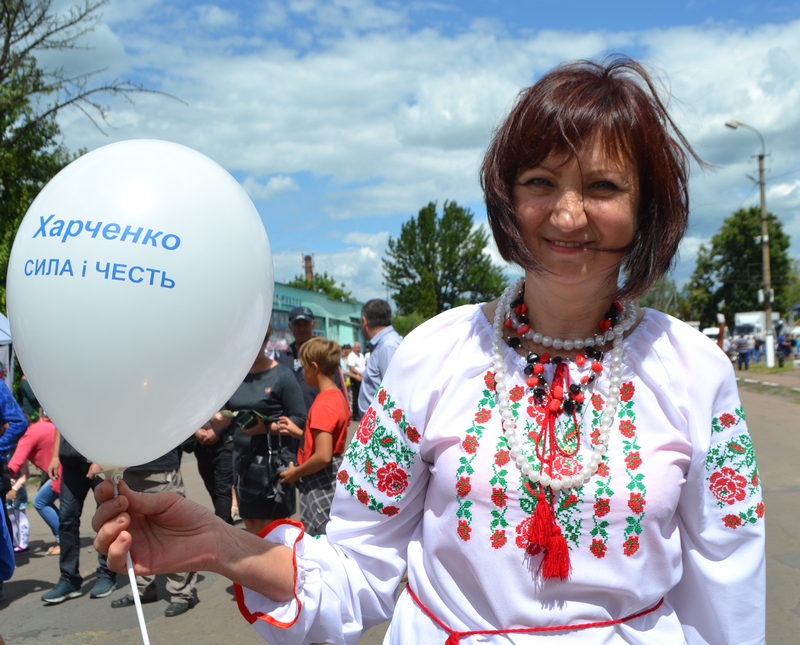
54, 550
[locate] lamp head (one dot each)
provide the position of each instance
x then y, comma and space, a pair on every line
734, 123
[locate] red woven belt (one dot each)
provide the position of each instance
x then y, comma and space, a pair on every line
454, 637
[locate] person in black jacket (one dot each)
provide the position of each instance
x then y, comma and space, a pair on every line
301, 324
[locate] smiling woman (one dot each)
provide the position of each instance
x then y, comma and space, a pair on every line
545, 467
603, 116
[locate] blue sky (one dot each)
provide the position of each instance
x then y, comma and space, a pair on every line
343, 118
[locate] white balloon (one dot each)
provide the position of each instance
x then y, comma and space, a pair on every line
139, 292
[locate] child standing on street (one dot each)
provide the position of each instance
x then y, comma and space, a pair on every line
320, 455
16, 503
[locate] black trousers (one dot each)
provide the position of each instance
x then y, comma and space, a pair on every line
215, 465
355, 388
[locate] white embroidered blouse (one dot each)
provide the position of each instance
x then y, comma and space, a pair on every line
426, 487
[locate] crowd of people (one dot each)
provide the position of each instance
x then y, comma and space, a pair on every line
281, 437
746, 348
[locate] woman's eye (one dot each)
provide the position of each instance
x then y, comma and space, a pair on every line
537, 181
604, 185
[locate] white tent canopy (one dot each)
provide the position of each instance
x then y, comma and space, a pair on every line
5, 331
6, 351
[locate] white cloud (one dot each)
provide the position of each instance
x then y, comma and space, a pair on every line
369, 240
210, 15
384, 118
274, 185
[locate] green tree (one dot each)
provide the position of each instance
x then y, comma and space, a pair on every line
729, 273
699, 291
404, 324
323, 283
440, 262
25, 168
663, 296
31, 150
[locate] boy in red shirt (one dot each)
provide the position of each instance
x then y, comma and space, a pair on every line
320, 455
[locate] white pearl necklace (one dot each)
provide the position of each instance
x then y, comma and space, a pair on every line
557, 343
585, 471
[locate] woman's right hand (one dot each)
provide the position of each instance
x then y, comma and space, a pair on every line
164, 532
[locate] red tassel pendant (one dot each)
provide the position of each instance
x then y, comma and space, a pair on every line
541, 525
555, 563
544, 535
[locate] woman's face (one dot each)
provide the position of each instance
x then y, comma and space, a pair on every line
576, 214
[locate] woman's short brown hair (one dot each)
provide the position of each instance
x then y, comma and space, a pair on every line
619, 101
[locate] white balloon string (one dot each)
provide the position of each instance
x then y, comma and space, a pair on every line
115, 478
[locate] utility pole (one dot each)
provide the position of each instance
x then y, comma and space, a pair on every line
770, 341
733, 124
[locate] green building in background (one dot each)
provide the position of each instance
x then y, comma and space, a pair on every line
339, 321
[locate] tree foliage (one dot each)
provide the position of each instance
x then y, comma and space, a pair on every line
36, 95
325, 284
730, 271
663, 296
440, 262
31, 151
404, 324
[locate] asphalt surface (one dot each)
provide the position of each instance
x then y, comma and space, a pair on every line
774, 422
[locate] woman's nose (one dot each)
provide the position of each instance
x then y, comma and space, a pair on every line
568, 211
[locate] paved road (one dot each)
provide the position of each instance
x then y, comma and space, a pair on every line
774, 423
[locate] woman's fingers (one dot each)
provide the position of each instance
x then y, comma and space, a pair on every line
108, 510
108, 536
104, 492
118, 551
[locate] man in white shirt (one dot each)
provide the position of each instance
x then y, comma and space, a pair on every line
355, 372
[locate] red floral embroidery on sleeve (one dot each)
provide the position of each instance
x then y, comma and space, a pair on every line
366, 427
392, 480
728, 486
381, 456
733, 477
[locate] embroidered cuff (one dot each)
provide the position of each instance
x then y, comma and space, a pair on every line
254, 606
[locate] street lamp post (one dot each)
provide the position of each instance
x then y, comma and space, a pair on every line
770, 340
